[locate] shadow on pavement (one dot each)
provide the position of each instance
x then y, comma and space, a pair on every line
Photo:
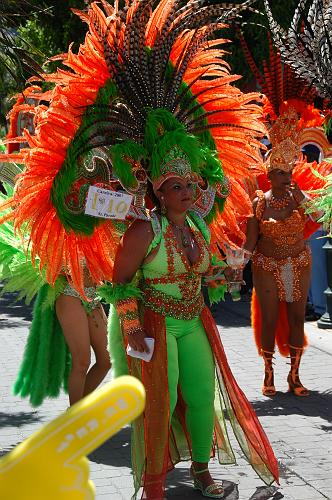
232, 314
227, 313
266, 492
180, 484
115, 451
18, 419
13, 308
317, 404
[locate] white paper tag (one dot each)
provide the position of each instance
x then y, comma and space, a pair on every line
107, 204
145, 356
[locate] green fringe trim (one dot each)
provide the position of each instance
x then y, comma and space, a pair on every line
218, 207
111, 293
215, 261
201, 225
217, 294
53, 292
122, 168
46, 361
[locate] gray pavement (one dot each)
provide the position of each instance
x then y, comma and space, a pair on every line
300, 429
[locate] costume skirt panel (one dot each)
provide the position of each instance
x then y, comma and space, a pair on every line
287, 275
158, 443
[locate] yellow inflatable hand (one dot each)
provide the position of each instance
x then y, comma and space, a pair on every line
51, 464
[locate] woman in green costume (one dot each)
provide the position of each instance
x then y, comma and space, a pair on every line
177, 249
156, 291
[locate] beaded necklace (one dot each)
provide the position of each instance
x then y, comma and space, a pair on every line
279, 203
186, 239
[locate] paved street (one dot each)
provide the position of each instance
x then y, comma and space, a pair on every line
300, 429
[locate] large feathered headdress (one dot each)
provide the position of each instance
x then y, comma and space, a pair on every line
307, 45
149, 82
293, 119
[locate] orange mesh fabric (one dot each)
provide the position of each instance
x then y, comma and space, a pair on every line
158, 444
246, 426
282, 330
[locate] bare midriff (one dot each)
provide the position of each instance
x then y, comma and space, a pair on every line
269, 248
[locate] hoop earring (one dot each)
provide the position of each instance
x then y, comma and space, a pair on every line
163, 208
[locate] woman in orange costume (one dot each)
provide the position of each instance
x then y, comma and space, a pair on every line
281, 259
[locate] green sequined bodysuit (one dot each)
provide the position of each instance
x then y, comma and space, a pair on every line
171, 285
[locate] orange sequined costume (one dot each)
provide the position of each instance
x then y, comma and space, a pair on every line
284, 233
287, 271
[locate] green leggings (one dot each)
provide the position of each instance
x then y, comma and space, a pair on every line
191, 365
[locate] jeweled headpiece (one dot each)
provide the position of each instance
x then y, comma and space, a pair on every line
284, 136
176, 164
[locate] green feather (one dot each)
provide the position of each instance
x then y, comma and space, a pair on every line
122, 168
158, 122
45, 353
212, 169
200, 223
53, 292
188, 143
111, 293
217, 294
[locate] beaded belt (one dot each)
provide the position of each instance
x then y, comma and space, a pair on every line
170, 306
286, 272
90, 292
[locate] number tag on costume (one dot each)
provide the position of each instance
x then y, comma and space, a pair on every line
107, 204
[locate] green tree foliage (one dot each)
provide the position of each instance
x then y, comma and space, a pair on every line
30, 32
43, 28
55, 28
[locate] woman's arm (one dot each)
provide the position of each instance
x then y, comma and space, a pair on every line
128, 259
132, 251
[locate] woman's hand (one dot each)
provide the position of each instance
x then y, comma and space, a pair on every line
137, 341
229, 273
234, 275
296, 192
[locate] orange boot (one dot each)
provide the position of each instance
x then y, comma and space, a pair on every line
268, 388
293, 379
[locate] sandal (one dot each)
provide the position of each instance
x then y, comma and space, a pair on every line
208, 491
294, 383
268, 388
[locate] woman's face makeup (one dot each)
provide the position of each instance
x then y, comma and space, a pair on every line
280, 178
178, 193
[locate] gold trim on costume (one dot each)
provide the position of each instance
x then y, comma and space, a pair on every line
286, 272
